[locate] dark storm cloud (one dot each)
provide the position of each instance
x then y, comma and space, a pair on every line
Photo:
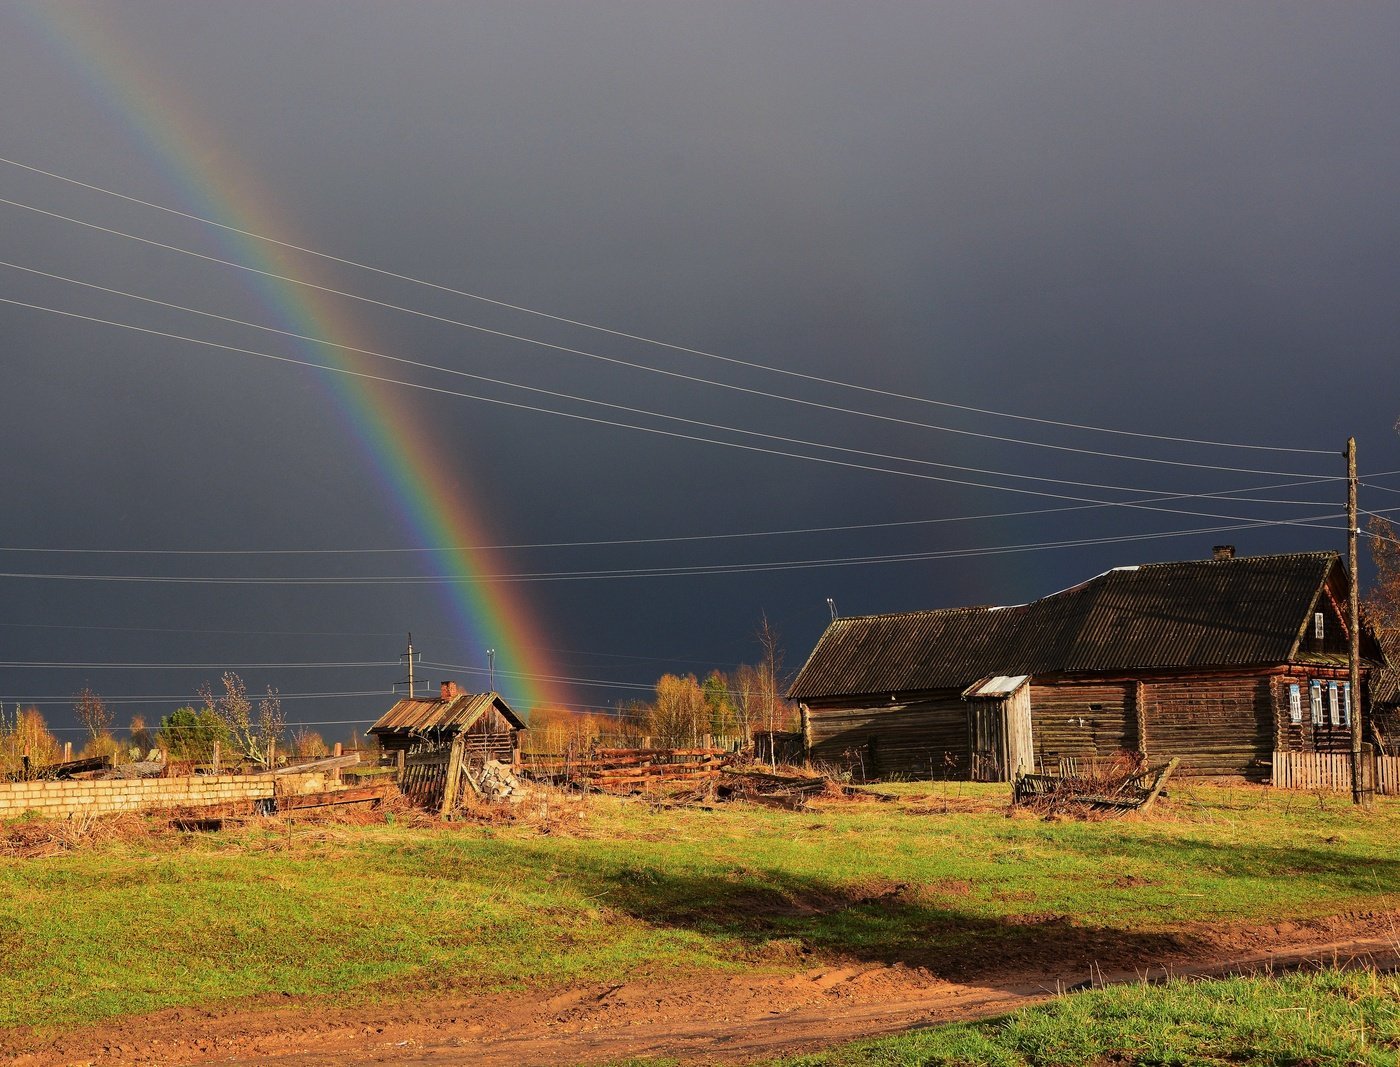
1173, 219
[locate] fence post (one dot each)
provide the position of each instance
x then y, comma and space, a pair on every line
271, 753
339, 751
67, 751
1366, 771
216, 757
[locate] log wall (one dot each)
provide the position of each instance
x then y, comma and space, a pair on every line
1219, 725
1082, 720
1308, 736
919, 739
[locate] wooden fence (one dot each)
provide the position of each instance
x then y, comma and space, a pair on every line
628, 769
1331, 771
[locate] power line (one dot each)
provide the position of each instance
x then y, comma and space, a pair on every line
628, 409
661, 572
109, 666
609, 359
68, 699
622, 334
189, 630
1227, 495
652, 429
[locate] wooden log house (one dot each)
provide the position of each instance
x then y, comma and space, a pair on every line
489, 728
1216, 662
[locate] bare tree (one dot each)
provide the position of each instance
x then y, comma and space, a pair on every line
92, 712
248, 734
777, 713
272, 722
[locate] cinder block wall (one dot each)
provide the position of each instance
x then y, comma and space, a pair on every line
65, 798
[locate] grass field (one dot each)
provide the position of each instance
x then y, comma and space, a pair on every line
1344, 1019
941, 878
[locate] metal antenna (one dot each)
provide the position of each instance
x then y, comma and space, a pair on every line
831, 607
491, 667
407, 656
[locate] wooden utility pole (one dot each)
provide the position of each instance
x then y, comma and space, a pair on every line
1354, 630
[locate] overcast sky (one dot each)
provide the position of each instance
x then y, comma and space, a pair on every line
872, 231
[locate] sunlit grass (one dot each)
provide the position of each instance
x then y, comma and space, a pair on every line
630, 891
1341, 1018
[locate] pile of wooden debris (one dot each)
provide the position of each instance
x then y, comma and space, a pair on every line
1123, 787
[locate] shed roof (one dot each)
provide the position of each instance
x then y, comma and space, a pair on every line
1212, 613
443, 716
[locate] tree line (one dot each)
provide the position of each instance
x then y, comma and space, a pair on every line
244, 729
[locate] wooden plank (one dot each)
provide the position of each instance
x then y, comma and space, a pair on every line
452, 783
1161, 781
330, 763
363, 795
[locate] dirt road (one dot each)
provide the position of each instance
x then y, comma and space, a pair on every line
699, 1019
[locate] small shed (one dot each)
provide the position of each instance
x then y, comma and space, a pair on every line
487, 725
999, 728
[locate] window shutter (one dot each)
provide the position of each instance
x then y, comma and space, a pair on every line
1295, 703
1318, 624
1346, 702
1333, 707
1315, 701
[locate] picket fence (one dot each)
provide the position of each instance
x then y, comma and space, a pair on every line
1331, 771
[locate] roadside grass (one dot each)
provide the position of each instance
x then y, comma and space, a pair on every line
941, 878
1328, 1017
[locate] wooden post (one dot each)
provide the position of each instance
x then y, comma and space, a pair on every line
1358, 720
216, 757
67, 751
1140, 715
339, 751
452, 783
398, 763
271, 753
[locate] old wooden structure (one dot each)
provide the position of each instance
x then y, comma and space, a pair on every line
1218, 663
490, 729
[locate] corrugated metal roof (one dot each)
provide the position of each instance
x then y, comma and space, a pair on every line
1194, 614
1001, 685
460, 713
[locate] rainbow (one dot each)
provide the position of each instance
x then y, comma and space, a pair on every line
429, 491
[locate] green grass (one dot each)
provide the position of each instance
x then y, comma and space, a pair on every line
1340, 1018
365, 913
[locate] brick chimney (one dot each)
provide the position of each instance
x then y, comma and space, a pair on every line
450, 691
1223, 552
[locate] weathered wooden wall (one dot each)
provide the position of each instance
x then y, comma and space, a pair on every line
1216, 725
1081, 720
926, 738
492, 737
1307, 736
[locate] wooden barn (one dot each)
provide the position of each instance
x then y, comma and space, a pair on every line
488, 727
1218, 662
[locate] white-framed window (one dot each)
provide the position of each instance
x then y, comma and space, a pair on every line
1315, 701
1319, 622
1295, 702
1334, 706
1346, 703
